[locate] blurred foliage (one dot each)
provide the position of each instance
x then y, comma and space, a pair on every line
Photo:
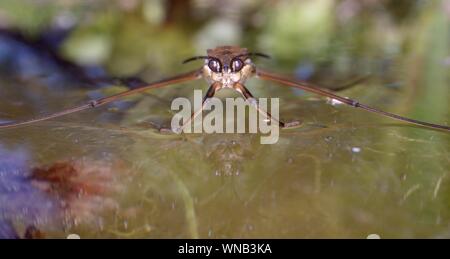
345, 174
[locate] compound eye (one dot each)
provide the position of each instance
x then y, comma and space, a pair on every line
214, 65
236, 65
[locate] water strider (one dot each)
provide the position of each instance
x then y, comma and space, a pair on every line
230, 67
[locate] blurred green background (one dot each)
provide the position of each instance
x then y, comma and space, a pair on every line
346, 173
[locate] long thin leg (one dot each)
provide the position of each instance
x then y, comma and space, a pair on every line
209, 94
99, 102
311, 88
249, 98
350, 84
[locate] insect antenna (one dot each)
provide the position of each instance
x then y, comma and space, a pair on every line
250, 54
194, 58
258, 54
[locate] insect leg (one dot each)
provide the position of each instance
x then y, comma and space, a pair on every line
209, 94
265, 75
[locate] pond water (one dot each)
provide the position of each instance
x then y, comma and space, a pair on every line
107, 172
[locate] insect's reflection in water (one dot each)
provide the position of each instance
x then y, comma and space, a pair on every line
228, 153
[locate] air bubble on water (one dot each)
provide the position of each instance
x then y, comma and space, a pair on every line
125, 224
373, 236
101, 224
356, 149
73, 236
250, 227
147, 227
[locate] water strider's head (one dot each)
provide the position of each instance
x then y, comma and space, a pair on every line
227, 65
